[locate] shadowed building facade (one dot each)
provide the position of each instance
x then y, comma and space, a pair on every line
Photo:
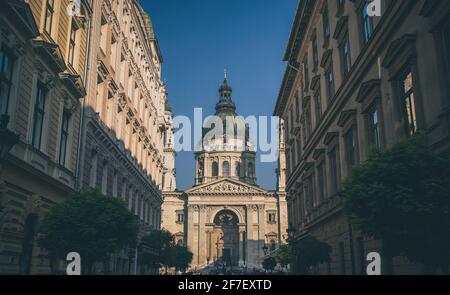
354, 81
82, 89
43, 51
127, 117
225, 216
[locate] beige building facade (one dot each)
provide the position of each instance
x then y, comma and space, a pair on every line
43, 64
81, 88
354, 81
225, 217
127, 118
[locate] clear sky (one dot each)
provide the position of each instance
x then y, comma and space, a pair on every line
199, 38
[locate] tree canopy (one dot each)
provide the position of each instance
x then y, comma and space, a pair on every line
89, 223
402, 197
284, 255
269, 263
311, 252
164, 251
179, 257
159, 241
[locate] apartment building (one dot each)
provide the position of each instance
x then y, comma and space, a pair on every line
354, 81
125, 118
42, 71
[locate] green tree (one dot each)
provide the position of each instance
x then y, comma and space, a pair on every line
269, 263
284, 255
311, 252
402, 197
159, 243
179, 257
89, 223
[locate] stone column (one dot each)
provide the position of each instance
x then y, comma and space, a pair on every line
202, 236
191, 233
251, 243
241, 247
261, 232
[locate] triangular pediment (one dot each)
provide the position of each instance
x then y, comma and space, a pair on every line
226, 186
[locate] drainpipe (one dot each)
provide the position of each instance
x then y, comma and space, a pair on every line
82, 111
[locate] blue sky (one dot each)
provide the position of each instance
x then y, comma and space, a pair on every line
199, 38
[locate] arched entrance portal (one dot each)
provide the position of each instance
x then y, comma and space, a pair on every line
226, 237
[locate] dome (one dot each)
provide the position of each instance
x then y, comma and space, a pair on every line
233, 138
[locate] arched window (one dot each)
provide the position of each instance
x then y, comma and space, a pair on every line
215, 169
238, 169
226, 169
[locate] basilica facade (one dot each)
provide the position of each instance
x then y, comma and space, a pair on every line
226, 217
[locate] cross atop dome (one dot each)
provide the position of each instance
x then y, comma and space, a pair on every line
225, 89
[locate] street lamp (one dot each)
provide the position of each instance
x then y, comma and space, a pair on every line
7, 138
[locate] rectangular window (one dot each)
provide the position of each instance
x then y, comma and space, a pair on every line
366, 23
330, 82
299, 149
318, 103
310, 193
64, 137
345, 56
297, 107
306, 71
308, 120
291, 119
332, 156
72, 42
6, 72
180, 217
105, 179
351, 147
104, 35
39, 113
340, 6
315, 51
408, 98
113, 54
374, 127
271, 218
326, 24
320, 182
49, 10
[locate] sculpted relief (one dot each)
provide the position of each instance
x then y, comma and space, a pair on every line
226, 187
